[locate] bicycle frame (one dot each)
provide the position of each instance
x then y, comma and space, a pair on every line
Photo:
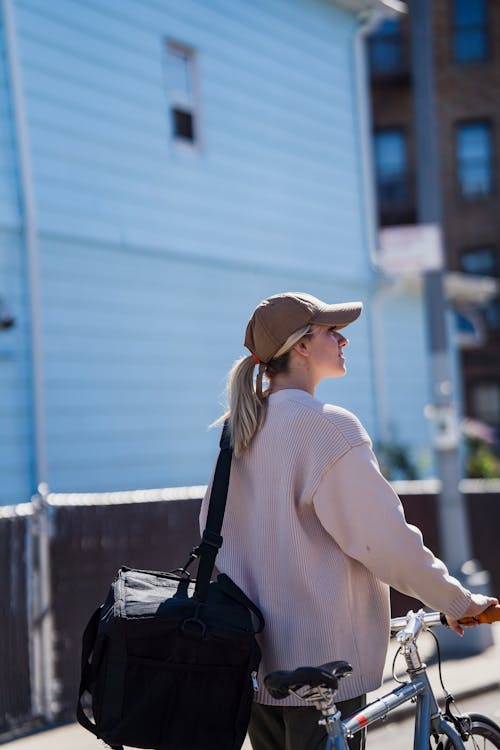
428, 717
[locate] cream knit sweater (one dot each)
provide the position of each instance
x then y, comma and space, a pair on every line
315, 536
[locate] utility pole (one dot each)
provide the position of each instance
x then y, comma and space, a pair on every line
453, 526
452, 513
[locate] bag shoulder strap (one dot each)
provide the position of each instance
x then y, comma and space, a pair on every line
211, 540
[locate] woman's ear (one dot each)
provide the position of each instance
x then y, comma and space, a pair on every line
301, 348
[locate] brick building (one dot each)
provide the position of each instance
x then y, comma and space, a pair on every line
467, 90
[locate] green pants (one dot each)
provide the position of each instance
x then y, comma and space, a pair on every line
297, 728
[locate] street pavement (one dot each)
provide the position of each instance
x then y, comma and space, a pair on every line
465, 677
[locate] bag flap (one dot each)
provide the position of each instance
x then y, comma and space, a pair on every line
229, 588
140, 593
153, 594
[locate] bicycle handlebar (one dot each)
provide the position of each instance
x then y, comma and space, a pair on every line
492, 614
431, 619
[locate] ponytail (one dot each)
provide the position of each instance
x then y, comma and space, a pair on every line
247, 402
247, 406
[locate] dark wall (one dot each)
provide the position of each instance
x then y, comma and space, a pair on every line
484, 523
90, 542
93, 541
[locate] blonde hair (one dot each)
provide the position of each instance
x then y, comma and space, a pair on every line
247, 401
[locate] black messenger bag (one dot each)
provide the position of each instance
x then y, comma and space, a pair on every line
171, 663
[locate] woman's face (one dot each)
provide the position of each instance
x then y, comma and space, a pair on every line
326, 358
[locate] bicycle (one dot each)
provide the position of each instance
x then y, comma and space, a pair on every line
446, 729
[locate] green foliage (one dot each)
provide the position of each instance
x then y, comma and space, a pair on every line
395, 461
481, 461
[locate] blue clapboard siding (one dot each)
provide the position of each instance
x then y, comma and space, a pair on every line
153, 256
135, 365
9, 194
15, 425
16, 468
278, 167
405, 366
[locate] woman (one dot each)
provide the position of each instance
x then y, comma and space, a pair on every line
313, 533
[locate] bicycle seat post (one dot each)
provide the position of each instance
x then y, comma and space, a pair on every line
322, 698
331, 715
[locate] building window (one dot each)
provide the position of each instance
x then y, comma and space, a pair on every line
470, 40
182, 94
391, 166
485, 262
385, 49
481, 262
485, 397
474, 159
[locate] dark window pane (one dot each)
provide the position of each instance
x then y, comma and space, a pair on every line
390, 152
388, 28
474, 151
385, 48
469, 11
486, 402
485, 262
481, 262
183, 124
470, 44
385, 55
180, 74
391, 168
492, 314
470, 41
393, 190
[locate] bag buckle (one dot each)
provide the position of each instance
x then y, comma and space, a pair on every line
212, 539
210, 542
184, 569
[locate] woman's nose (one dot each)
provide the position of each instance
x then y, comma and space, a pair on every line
342, 341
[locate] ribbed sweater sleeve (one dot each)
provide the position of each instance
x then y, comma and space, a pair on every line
363, 514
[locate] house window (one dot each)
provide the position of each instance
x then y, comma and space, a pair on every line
391, 167
470, 39
474, 159
181, 87
386, 48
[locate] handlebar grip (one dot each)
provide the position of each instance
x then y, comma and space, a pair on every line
492, 614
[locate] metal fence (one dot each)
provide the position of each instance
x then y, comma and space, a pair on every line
15, 685
88, 537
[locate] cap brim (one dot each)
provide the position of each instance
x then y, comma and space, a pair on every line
339, 315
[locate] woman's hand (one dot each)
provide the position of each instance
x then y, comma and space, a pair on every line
478, 603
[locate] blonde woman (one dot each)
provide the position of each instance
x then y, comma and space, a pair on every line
313, 533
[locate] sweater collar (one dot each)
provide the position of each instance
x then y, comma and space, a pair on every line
291, 394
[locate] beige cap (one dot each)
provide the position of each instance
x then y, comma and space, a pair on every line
277, 317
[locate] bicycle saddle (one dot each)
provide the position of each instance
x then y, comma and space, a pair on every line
279, 684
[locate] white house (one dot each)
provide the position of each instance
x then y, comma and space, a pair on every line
164, 165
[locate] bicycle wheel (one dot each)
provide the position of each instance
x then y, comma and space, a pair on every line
484, 734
